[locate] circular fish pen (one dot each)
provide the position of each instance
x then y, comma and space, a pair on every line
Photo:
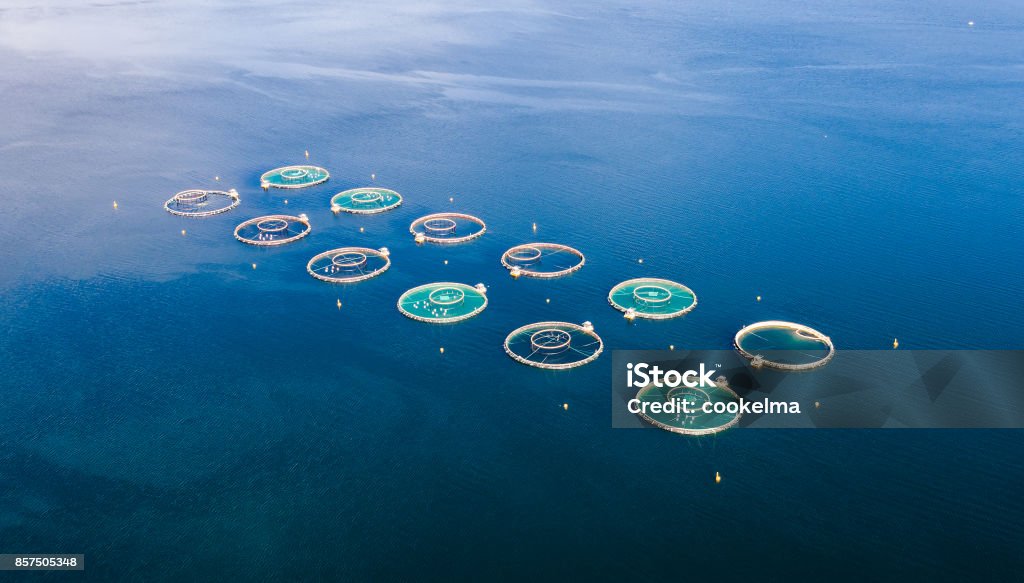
554, 345
365, 201
542, 260
652, 298
784, 345
273, 230
688, 419
447, 228
349, 264
294, 177
202, 203
443, 302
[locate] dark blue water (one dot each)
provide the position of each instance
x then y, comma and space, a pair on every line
174, 414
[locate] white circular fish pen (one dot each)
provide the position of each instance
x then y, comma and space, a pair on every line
652, 298
349, 264
554, 345
443, 302
365, 201
447, 228
784, 345
542, 260
202, 203
273, 230
294, 177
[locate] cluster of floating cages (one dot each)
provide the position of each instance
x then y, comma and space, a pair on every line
784, 345
652, 298
349, 264
273, 230
443, 302
365, 201
294, 177
447, 228
692, 420
197, 203
554, 345
542, 260
548, 345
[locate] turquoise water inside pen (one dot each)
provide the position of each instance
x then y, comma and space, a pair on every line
175, 413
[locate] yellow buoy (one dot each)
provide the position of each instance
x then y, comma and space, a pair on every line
442, 350
254, 266
115, 204
758, 298
339, 303
565, 406
671, 346
895, 343
718, 478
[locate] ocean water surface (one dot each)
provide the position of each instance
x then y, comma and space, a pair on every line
174, 413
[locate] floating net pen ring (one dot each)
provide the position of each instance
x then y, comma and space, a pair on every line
294, 173
550, 340
440, 226
524, 254
349, 264
443, 302
273, 230
652, 298
365, 201
652, 295
447, 228
349, 260
294, 177
784, 345
366, 197
447, 296
192, 197
554, 345
272, 225
543, 260
201, 203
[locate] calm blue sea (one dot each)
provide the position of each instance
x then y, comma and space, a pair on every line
175, 414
